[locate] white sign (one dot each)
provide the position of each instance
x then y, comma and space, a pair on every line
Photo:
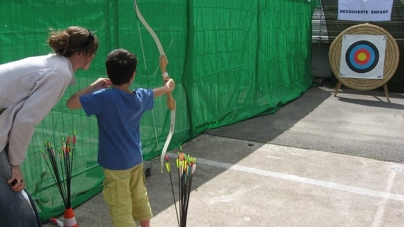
365, 10
362, 56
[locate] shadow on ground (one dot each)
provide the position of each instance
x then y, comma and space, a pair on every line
358, 123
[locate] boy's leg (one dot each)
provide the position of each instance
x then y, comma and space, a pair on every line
15, 209
116, 195
145, 223
141, 210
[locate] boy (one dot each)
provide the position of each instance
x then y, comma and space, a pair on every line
118, 111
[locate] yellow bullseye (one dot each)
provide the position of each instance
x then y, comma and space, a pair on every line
362, 57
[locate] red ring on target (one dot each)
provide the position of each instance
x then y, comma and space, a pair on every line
362, 53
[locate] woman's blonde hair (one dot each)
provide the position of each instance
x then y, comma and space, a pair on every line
73, 40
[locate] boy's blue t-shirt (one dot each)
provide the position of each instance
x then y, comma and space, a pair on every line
118, 116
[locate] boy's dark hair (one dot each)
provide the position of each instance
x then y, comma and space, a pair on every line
121, 64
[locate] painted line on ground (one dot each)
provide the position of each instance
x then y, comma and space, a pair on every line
382, 205
325, 184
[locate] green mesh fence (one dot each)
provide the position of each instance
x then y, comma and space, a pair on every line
231, 60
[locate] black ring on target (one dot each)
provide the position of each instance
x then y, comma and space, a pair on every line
363, 47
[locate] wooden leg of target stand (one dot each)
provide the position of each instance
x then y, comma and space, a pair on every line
337, 88
386, 91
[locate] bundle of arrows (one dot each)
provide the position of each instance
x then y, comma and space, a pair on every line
186, 166
60, 164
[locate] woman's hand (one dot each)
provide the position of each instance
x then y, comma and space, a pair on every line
16, 181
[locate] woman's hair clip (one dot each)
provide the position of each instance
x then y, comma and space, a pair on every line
89, 38
90, 34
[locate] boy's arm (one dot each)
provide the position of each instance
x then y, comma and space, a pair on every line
74, 101
169, 86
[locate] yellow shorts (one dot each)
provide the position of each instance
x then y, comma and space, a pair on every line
126, 196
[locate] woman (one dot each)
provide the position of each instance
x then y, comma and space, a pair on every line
29, 88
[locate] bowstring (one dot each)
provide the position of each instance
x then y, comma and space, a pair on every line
147, 75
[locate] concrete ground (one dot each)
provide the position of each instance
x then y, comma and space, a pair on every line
319, 161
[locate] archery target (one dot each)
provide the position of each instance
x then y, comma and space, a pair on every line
362, 56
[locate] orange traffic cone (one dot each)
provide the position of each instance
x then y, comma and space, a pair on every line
70, 220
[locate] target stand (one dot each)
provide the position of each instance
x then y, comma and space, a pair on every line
364, 57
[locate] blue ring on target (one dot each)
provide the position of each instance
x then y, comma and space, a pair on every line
354, 48
358, 48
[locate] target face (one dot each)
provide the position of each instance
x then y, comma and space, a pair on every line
362, 56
